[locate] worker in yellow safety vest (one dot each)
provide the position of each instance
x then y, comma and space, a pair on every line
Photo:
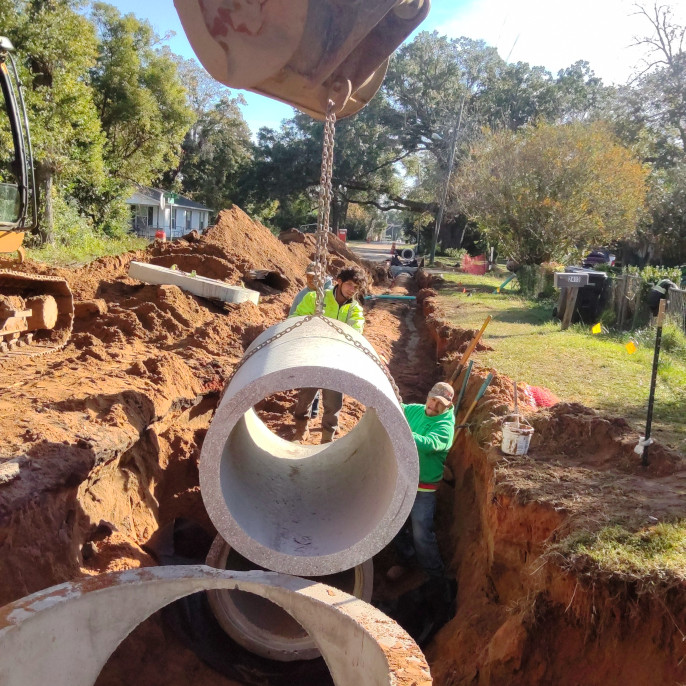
340, 303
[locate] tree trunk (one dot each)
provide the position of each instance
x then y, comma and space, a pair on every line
452, 231
339, 212
45, 210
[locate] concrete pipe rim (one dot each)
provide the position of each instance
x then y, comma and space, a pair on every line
234, 621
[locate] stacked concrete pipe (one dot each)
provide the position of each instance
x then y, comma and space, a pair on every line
303, 509
264, 628
64, 635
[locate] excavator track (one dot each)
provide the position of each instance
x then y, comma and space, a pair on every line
26, 334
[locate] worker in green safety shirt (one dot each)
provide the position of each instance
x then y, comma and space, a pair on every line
433, 428
340, 303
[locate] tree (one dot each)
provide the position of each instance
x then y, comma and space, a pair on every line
141, 102
394, 154
551, 191
665, 236
215, 154
663, 79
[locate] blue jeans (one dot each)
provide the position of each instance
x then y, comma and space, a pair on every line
417, 536
315, 406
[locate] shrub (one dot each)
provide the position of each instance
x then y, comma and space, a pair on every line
537, 280
455, 253
650, 275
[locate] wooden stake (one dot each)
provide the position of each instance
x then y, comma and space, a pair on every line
570, 304
469, 351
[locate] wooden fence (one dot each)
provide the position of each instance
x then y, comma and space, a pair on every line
676, 307
626, 301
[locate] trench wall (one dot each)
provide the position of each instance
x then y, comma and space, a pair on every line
526, 615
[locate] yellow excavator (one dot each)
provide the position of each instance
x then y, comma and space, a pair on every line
36, 312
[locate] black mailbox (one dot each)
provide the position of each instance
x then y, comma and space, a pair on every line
573, 280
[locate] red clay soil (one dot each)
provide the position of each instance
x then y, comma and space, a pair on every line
107, 435
107, 432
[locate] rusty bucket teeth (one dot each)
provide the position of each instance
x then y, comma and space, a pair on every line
18, 342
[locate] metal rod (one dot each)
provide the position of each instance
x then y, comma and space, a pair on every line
479, 395
464, 387
653, 378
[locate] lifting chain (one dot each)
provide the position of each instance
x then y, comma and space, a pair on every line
329, 322
325, 193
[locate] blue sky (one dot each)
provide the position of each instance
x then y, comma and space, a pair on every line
540, 32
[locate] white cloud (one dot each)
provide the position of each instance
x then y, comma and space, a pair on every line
556, 34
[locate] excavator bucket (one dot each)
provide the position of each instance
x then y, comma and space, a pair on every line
302, 52
36, 314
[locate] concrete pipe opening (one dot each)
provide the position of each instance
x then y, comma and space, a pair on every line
303, 509
407, 254
261, 626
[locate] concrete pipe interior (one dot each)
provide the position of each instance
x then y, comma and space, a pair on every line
261, 626
308, 510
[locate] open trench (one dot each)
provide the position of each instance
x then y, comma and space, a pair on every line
128, 496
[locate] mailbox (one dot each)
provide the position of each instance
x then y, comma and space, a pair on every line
571, 279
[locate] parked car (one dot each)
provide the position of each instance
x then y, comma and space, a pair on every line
599, 256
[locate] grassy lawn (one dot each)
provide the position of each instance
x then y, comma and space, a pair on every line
85, 248
576, 365
650, 551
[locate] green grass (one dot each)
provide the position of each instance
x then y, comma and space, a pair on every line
651, 551
89, 247
576, 365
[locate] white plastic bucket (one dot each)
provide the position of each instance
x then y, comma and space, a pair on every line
516, 437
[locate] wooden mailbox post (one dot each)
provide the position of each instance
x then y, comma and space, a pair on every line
569, 284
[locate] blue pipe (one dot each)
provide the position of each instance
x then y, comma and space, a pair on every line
390, 297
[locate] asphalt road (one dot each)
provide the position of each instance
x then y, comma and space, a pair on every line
375, 252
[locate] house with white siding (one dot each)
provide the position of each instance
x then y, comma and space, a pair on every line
153, 209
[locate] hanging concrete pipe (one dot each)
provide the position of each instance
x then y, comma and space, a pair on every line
303, 509
64, 635
260, 625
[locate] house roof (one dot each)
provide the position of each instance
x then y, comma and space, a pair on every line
144, 195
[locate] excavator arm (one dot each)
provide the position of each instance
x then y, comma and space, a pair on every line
301, 52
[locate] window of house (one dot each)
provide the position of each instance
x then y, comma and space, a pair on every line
150, 216
188, 220
173, 219
202, 221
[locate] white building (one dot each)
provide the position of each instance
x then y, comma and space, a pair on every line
153, 209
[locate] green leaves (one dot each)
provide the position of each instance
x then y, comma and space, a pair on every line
552, 191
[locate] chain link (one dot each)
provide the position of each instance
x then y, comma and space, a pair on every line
329, 322
325, 194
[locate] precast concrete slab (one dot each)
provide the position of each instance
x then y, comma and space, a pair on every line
64, 635
304, 509
198, 285
261, 626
